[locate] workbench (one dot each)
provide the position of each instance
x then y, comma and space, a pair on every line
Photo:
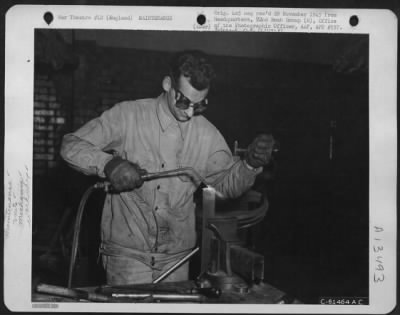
262, 293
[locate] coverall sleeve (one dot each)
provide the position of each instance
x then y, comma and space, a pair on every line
228, 175
84, 149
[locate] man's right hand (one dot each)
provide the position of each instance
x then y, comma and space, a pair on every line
123, 175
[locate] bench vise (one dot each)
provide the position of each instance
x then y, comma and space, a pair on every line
225, 261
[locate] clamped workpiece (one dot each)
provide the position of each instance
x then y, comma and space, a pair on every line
225, 262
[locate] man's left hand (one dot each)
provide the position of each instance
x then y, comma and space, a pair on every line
259, 152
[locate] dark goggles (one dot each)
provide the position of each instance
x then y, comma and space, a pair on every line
182, 102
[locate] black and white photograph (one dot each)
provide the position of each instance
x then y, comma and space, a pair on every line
200, 167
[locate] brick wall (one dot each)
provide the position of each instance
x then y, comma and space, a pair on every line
49, 119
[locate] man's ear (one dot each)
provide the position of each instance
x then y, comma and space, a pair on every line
167, 83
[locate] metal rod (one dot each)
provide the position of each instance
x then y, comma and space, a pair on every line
72, 293
132, 295
161, 296
176, 266
186, 171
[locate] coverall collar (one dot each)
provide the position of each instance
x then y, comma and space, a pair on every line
165, 118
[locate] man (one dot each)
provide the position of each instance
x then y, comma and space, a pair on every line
148, 226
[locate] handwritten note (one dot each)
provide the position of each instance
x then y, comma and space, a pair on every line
18, 200
378, 250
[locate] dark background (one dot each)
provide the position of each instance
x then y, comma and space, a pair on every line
309, 90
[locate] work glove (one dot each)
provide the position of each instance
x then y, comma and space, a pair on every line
259, 152
123, 174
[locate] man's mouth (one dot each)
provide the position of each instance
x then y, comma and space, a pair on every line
184, 117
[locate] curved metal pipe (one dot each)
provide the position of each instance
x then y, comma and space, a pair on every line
184, 171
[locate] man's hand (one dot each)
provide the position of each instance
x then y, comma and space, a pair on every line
259, 152
123, 175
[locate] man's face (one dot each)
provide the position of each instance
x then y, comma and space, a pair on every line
182, 89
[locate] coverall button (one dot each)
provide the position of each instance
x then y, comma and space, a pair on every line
158, 187
152, 261
162, 165
156, 208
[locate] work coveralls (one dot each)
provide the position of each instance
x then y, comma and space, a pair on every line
145, 231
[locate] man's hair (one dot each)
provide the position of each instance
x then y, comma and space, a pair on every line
193, 65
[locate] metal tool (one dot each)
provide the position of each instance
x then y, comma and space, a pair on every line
146, 176
176, 266
160, 288
176, 297
72, 293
